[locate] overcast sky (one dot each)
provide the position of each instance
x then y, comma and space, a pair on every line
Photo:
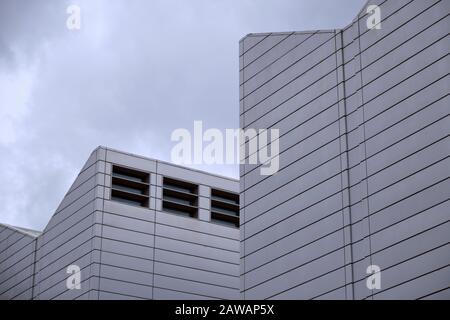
136, 71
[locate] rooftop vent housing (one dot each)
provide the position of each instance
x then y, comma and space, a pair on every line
180, 197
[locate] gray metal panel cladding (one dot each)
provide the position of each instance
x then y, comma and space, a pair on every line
17, 252
169, 256
364, 171
123, 251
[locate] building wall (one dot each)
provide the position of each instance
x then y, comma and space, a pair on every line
364, 171
123, 251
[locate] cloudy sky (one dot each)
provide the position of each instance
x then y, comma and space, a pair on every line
133, 73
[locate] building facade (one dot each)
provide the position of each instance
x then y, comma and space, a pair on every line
363, 183
136, 228
363, 114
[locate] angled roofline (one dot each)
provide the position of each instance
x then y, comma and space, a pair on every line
25, 231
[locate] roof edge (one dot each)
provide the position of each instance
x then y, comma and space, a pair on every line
28, 232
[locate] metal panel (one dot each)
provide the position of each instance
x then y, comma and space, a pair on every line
127, 262
288, 44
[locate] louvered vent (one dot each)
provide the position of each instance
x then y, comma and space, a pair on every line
130, 186
180, 197
224, 207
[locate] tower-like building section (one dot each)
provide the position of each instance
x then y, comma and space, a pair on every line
364, 124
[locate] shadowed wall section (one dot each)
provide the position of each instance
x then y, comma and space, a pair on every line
364, 171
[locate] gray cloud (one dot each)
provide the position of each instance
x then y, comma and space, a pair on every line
135, 71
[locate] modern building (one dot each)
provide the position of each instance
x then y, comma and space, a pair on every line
364, 120
363, 183
136, 228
